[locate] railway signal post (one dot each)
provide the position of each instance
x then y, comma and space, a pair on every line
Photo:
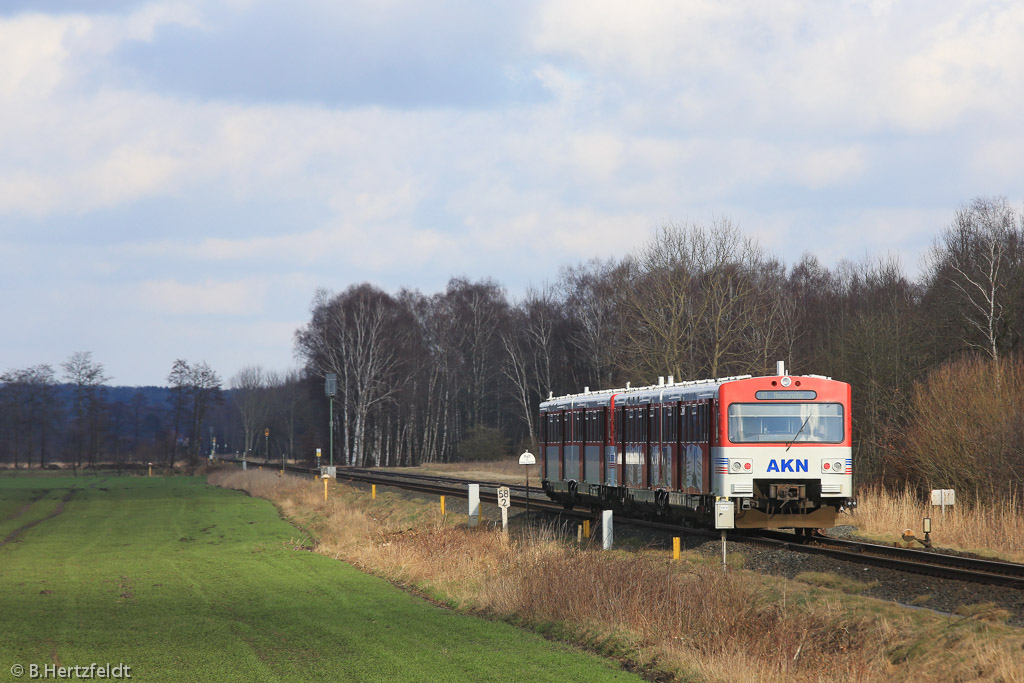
331, 388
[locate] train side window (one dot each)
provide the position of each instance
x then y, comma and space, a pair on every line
703, 421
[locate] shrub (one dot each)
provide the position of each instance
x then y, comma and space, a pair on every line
966, 429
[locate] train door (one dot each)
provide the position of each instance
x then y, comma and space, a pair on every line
615, 447
554, 426
636, 444
654, 446
669, 437
593, 438
692, 453
573, 445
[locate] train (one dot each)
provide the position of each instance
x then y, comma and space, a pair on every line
770, 452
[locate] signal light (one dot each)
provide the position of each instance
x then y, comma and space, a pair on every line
825, 465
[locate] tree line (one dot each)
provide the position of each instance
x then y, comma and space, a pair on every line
73, 418
459, 374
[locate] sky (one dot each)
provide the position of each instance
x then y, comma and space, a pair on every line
178, 177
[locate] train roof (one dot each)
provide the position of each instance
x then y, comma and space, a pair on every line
670, 390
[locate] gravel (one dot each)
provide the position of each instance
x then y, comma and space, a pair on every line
911, 590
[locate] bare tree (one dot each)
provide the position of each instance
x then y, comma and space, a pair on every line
195, 388
178, 379
251, 397
979, 261
87, 378
28, 398
690, 306
589, 292
359, 336
287, 400
204, 390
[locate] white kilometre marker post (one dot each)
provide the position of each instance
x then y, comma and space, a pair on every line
504, 500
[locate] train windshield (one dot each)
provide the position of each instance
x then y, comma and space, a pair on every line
786, 423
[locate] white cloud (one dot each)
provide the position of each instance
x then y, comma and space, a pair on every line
816, 126
210, 297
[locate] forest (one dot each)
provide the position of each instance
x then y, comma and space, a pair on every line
935, 360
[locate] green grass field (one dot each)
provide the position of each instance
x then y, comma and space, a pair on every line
186, 582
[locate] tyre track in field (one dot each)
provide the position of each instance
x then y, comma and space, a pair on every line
25, 508
56, 511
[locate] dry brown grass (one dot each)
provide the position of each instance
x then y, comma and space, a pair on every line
506, 470
994, 529
684, 619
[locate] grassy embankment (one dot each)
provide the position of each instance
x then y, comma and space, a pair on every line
688, 619
184, 581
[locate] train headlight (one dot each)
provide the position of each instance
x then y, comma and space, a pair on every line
739, 466
832, 467
736, 466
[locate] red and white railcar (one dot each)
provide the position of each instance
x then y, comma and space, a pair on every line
778, 447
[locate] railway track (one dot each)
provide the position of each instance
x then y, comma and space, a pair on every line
921, 562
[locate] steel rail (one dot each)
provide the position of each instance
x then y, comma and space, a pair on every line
956, 567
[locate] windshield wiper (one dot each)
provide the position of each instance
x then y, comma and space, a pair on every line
788, 445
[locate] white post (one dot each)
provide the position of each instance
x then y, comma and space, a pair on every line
504, 520
723, 549
606, 529
243, 465
474, 504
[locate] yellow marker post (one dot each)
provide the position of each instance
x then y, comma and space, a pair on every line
373, 491
675, 547
586, 528
151, 469
261, 468
325, 489
442, 506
